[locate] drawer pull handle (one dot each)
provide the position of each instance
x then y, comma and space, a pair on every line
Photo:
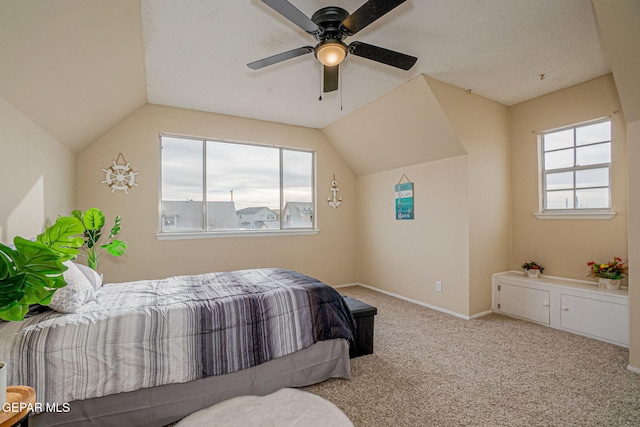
565, 308
546, 304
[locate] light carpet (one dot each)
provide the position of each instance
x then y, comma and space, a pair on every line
286, 407
433, 369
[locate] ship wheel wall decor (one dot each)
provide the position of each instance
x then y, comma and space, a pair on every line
119, 176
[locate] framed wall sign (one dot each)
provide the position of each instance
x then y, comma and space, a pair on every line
404, 199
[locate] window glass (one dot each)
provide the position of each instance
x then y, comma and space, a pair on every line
558, 181
182, 184
593, 198
597, 132
560, 200
297, 189
557, 140
593, 154
558, 159
592, 178
241, 177
576, 167
235, 186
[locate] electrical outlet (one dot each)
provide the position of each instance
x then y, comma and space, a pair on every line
438, 286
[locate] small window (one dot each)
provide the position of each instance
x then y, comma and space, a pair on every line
576, 166
212, 186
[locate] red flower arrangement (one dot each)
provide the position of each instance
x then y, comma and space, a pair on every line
615, 269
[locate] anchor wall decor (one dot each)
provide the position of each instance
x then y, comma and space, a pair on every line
334, 200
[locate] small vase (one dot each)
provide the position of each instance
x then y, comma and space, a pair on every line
533, 272
609, 283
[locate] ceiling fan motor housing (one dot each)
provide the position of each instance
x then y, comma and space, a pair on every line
329, 19
330, 26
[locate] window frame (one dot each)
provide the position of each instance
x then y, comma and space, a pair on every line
204, 233
573, 213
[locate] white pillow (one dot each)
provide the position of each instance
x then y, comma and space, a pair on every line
78, 292
92, 275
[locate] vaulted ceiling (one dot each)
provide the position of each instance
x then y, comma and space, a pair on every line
78, 67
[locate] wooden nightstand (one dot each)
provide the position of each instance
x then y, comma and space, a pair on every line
17, 395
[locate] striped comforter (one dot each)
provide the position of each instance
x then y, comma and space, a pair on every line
149, 333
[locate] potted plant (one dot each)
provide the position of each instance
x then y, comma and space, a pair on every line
31, 272
93, 220
608, 274
533, 269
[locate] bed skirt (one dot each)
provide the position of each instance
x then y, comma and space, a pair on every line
159, 406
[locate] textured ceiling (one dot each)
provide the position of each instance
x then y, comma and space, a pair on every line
74, 67
78, 67
197, 51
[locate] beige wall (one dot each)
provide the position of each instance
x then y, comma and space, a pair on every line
396, 125
329, 256
37, 175
565, 246
460, 234
633, 144
482, 126
407, 257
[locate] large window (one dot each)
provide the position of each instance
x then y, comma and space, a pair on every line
576, 163
221, 187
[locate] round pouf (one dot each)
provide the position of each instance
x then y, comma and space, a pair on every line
285, 407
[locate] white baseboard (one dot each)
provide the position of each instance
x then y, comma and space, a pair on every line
346, 285
424, 304
633, 369
483, 313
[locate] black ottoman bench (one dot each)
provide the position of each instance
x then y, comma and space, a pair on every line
363, 314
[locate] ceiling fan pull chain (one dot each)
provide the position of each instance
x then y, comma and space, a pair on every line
340, 80
320, 97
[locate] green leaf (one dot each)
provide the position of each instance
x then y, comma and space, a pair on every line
115, 247
11, 290
116, 228
92, 237
35, 291
14, 312
63, 237
77, 214
36, 258
32, 272
6, 261
57, 283
42, 268
92, 261
93, 219
47, 300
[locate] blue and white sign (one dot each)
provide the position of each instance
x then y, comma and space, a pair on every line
404, 201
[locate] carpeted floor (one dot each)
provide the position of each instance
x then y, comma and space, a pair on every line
433, 369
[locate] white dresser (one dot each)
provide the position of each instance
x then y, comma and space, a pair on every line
575, 306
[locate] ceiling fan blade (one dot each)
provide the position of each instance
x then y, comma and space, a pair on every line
380, 54
256, 65
331, 78
289, 11
369, 12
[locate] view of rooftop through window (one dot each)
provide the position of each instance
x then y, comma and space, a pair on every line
576, 164
235, 186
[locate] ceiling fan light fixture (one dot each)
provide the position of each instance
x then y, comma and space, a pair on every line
331, 52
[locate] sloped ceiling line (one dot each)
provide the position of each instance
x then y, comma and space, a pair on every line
406, 126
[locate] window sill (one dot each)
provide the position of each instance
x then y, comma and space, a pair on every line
224, 234
576, 215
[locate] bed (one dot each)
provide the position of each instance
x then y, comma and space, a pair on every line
151, 352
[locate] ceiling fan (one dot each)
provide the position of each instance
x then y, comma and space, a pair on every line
330, 26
